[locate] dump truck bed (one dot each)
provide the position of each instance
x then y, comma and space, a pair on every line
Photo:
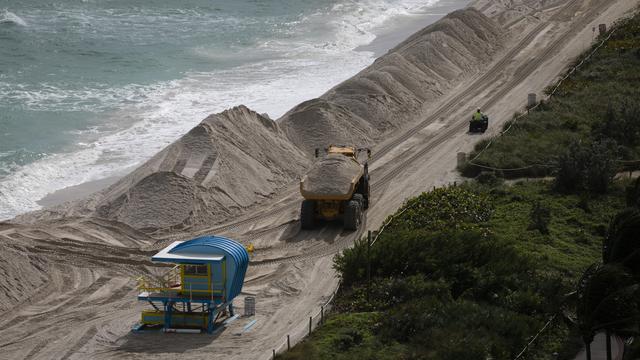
334, 177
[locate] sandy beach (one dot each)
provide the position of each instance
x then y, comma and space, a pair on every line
68, 288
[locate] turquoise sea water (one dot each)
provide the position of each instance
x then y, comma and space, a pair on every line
89, 88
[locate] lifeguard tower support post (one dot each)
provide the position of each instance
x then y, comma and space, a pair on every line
208, 275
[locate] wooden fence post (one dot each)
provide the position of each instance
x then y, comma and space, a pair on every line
608, 342
368, 264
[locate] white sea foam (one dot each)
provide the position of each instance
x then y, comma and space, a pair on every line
7, 17
160, 113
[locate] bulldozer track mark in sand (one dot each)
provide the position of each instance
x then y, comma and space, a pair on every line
294, 225
63, 311
227, 227
340, 242
204, 170
94, 259
82, 341
90, 322
41, 345
117, 295
112, 250
69, 299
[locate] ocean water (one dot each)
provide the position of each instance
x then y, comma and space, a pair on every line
91, 88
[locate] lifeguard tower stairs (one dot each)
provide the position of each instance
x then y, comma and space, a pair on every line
208, 274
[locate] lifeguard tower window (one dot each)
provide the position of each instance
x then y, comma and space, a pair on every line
200, 269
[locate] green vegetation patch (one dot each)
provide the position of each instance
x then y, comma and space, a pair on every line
476, 281
346, 337
444, 208
577, 224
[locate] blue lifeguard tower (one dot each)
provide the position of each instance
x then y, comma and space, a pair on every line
208, 275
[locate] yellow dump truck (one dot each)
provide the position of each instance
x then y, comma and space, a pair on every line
336, 187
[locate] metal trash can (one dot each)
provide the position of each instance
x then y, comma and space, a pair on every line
602, 28
249, 306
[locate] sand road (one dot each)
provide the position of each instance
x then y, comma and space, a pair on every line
69, 285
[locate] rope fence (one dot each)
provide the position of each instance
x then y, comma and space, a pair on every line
533, 340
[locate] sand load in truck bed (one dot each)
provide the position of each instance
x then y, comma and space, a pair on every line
332, 178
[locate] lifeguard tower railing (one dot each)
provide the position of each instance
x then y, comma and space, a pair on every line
170, 286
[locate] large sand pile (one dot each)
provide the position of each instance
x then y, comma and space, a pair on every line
392, 91
334, 176
317, 123
227, 163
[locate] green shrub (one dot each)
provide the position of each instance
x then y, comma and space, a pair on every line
453, 208
489, 178
571, 168
347, 338
444, 208
540, 216
384, 293
602, 166
633, 194
620, 123
458, 329
587, 167
584, 202
622, 244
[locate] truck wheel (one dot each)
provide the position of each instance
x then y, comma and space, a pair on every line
308, 214
359, 198
352, 215
364, 201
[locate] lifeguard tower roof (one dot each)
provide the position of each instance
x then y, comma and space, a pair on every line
210, 249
